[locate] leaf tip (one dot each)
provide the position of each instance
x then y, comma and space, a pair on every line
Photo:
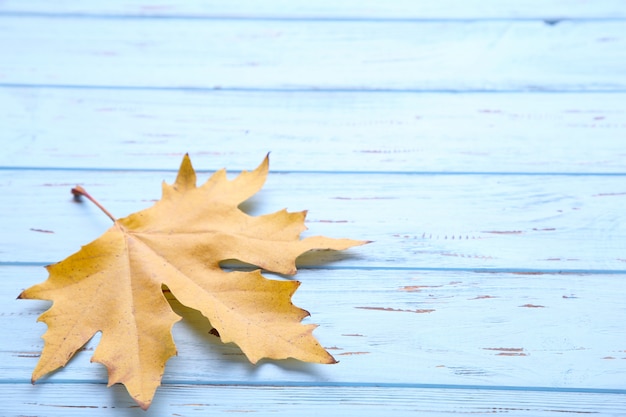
265, 165
143, 404
186, 177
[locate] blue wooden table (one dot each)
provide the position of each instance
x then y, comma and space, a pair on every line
480, 144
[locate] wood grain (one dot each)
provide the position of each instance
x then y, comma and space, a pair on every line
287, 55
200, 400
314, 131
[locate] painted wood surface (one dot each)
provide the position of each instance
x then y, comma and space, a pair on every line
345, 55
315, 131
198, 400
480, 145
448, 328
415, 221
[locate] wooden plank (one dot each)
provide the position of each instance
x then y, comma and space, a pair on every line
429, 221
353, 55
389, 327
350, 9
313, 131
199, 400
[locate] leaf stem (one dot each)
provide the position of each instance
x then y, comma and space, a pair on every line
80, 191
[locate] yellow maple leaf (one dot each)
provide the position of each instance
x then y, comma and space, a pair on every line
114, 285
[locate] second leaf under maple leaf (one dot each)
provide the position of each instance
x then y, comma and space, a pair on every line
114, 284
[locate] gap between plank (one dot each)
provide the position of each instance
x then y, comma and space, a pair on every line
345, 18
313, 172
399, 268
385, 385
313, 89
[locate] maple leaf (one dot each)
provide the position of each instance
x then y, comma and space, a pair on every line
114, 285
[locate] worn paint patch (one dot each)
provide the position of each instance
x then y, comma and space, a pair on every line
452, 237
363, 198
41, 230
66, 184
240, 411
28, 354
352, 353
609, 194
532, 306
504, 232
561, 259
462, 255
502, 351
511, 354
72, 406
327, 221
419, 311
417, 288
482, 297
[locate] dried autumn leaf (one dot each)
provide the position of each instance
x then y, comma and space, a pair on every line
114, 284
